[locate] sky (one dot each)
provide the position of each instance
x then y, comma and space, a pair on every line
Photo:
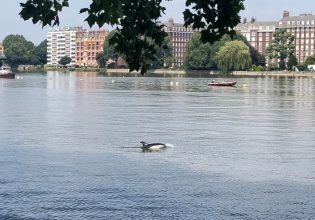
262, 10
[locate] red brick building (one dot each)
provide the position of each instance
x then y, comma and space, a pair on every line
179, 36
88, 45
258, 33
303, 28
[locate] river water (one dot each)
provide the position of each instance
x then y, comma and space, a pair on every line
238, 153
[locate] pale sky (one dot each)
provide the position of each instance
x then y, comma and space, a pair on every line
263, 10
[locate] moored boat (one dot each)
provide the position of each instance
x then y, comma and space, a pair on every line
222, 83
5, 72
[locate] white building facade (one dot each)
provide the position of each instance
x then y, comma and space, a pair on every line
61, 42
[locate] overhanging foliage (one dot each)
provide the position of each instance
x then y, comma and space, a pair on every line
138, 26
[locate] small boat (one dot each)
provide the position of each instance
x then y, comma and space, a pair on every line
152, 147
222, 83
5, 72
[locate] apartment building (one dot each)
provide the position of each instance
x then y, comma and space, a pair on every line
88, 45
303, 28
258, 33
179, 36
62, 42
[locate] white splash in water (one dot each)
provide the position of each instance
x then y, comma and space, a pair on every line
169, 145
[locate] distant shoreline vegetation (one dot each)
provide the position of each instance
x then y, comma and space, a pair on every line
165, 72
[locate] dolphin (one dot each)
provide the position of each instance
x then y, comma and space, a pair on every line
152, 147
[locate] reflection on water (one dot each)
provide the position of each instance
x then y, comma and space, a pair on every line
239, 153
72, 80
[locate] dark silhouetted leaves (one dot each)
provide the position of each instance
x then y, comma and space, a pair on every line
213, 18
44, 11
64, 60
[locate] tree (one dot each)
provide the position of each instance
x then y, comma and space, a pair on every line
302, 67
163, 56
261, 59
138, 23
233, 55
64, 60
101, 60
292, 62
200, 56
282, 46
258, 59
109, 51
310, 60
40, 52
18, 50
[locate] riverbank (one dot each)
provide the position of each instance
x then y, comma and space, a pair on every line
200, 73
273, 74
179, 73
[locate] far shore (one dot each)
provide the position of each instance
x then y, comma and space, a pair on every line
182, 73
273, 74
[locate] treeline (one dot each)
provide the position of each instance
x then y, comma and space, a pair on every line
20, 51
108, 58
283, 48
226, 54
237, 54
